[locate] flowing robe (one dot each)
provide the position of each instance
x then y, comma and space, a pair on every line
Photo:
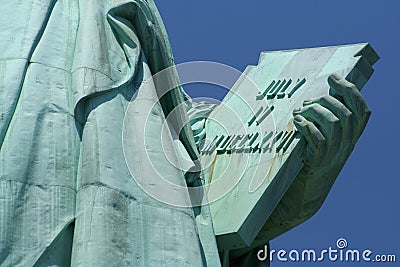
69, 70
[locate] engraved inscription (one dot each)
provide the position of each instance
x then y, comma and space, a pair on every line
261, 115
250, 143
281, 88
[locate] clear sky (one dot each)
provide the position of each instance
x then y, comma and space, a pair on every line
363, 206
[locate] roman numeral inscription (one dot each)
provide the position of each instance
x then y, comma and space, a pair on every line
250, 143
279, 89
261, 115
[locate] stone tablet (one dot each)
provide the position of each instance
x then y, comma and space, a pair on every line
252, 152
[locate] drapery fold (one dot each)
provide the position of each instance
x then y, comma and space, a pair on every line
63, 177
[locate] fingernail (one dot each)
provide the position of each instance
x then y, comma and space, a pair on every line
297, 110
307, 102
335, 77
298, 119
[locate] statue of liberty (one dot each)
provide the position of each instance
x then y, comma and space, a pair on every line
69, 70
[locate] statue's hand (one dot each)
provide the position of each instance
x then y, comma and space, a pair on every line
331, 125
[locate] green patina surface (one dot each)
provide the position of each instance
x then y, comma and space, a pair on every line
261, 105
69, 73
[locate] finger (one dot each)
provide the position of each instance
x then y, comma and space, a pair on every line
351, 96
339, 110
327, 122
316, 147
311, 133
354, 101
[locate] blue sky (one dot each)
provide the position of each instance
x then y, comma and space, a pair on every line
363, 204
